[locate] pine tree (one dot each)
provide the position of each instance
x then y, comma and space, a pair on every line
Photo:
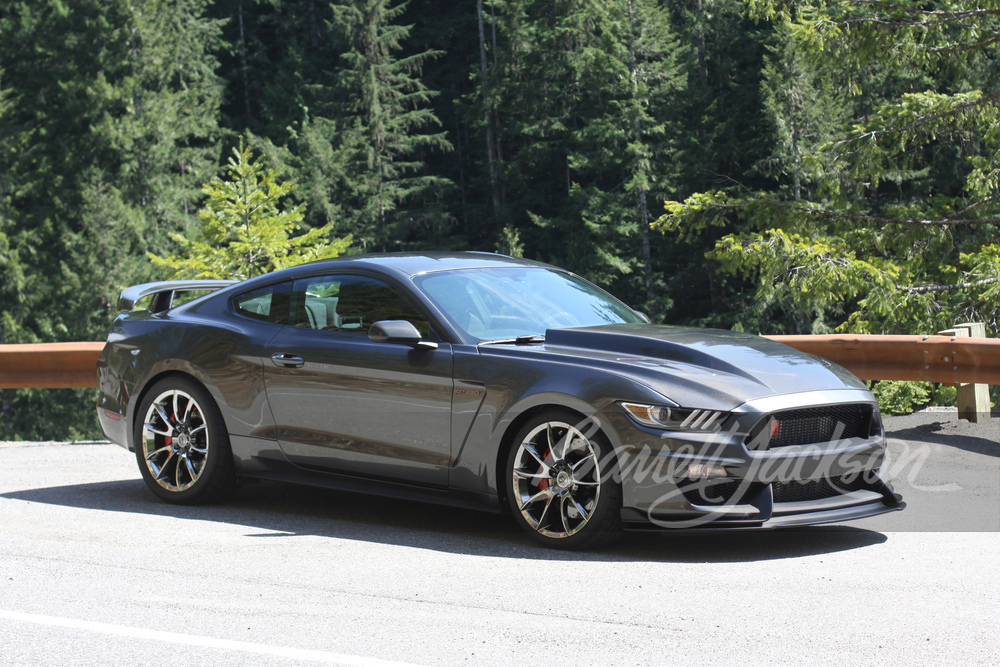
116, 107
385, 117
588, 97
246, 228
900, 234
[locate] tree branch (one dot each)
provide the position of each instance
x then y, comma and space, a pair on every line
826, 213
963, 48
947, 288
954, 15
922, 121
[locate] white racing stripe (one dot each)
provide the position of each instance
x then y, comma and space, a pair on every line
195, 640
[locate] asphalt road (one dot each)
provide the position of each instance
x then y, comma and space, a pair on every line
94, 570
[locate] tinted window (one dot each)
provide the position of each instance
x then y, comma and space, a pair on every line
491, 304
269, 304
351, 304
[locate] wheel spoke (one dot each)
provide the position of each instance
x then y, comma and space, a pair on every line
177, 410
552, 440
545, 512
163, 415
161, 473
188, 409
154, 453
198, 430
528, 447
527, 475
177, 472
580, 483
190, 468
580, 508
541, 495
149, 427
589, 457
562, 514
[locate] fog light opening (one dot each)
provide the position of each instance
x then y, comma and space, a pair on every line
704, 470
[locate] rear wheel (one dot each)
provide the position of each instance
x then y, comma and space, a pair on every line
181, 444
560, 483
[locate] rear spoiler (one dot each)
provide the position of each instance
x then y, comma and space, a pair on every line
165, 291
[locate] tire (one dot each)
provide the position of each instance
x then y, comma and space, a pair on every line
181, 444
560, 483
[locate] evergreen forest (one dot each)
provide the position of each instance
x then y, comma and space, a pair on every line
772, 166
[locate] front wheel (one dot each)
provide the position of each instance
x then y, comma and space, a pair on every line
561, 485
181, 444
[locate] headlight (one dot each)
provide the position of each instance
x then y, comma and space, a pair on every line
675, 419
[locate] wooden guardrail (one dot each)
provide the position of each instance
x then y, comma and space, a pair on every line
49, 365
945, 359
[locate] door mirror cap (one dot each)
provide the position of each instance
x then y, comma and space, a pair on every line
398, 331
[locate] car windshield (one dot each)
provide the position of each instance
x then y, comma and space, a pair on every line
502, 304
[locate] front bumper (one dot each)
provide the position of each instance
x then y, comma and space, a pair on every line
795, 485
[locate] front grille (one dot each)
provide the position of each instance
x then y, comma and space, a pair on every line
818, 489
806, 426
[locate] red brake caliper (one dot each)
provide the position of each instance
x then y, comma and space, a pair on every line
544, 484
167, 440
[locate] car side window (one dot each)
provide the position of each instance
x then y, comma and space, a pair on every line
350, 303
269, 304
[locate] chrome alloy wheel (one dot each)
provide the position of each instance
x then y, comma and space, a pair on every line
175, 440
556, 479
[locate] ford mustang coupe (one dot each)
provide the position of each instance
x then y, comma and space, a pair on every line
483, 381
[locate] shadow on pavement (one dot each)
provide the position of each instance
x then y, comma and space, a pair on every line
945, 428
271, 509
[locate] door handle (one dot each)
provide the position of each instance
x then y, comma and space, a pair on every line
287, 360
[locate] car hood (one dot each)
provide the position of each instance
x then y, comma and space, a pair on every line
701, 367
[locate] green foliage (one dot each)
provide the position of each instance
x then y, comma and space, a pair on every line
898, 231
900, 398
245, 228
826, 164
385, 121
111, 126
584, 94
510, 243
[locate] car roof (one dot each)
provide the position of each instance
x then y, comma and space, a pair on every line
404, 265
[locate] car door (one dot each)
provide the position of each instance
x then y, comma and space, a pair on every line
346, 404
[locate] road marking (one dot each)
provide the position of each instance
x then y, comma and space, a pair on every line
208, 642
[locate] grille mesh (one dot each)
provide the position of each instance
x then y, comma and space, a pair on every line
807, 426
817, 489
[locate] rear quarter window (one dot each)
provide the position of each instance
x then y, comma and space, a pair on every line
267, 304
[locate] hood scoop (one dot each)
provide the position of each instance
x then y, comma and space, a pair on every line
706, 349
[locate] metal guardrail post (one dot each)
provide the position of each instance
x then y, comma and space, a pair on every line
973, 399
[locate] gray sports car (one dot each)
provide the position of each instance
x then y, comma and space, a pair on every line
484, 381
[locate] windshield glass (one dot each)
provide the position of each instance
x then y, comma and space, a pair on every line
503, 303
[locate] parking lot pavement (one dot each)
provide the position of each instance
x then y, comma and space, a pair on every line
94, 570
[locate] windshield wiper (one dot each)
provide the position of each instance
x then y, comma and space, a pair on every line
519, 340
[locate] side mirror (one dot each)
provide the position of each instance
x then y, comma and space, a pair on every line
398, 331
